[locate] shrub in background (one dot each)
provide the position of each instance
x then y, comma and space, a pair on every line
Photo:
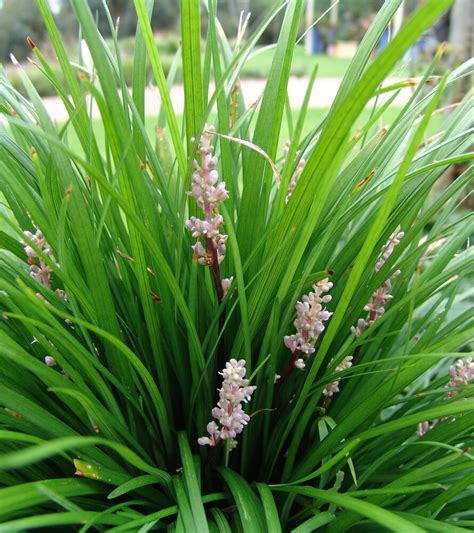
168, 47
154, 370
18, 19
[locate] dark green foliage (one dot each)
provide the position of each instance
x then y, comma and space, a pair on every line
106, 439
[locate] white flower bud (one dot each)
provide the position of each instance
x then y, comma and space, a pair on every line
226, 283
229, 412
299, 363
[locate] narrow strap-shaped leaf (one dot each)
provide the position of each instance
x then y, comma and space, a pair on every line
139, 81
44, 450
25, 495
192, 485
315, 522
220, 520
49, 520
387, 519
267, 130
134, 483
191, 52
9, 243
249, 507
433, 525
161, 82
185, 513
269, 508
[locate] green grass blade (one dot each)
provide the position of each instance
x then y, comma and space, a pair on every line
193, 90
192, 485
269, 508
250, 509
387, 519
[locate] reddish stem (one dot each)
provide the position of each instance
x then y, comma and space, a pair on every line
289, 369
214, 266
216, 274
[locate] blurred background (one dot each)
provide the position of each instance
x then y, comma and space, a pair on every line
331, 42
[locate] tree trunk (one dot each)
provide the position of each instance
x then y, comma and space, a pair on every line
461, 26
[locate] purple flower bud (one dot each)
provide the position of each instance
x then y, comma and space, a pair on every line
226, 283
291, 342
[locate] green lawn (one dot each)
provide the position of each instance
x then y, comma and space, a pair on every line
313, 118
303, 63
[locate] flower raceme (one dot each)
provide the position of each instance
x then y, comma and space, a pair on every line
209, 195
39, 270
298, 170
461, 373
376, 305
229, 412
309, 322
331, 388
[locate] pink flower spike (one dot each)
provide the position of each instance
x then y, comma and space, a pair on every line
209, 193
333, 387
461, 373
309, 323
229, 413
376, 305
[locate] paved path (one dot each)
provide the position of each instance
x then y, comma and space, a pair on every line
322, 96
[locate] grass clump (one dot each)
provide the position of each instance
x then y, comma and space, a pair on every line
115, 333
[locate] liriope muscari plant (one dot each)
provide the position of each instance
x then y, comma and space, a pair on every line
159, 269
